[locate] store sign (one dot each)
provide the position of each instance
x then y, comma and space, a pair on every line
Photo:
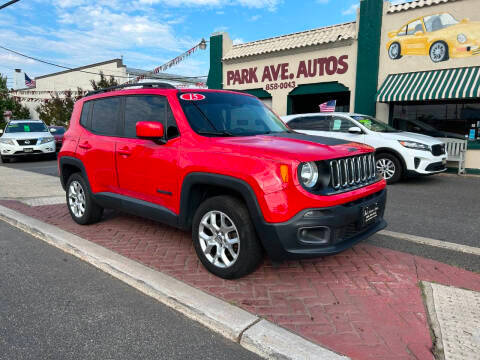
282, 72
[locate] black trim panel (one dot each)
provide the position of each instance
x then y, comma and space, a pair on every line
136, 207
67, 160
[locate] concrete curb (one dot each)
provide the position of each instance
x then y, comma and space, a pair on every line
257, 335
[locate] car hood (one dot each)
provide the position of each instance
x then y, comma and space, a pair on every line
25, 135
471, 28
291, 146
403, 135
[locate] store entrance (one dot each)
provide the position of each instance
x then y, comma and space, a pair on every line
301, 104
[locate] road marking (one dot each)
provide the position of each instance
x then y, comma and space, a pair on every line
432, 242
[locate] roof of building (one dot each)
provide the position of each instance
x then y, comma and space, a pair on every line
86, 67
324, 35
416, 4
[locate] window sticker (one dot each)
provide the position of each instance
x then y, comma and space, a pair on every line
366, 122
337, 124
192, 97
26, 128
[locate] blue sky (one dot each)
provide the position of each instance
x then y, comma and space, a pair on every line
148, 32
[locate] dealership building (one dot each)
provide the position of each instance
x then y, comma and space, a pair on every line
415, 64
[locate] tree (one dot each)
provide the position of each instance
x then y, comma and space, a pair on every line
58, 110
7, 103
103, 83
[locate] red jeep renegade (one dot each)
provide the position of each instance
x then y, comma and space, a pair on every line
220, 164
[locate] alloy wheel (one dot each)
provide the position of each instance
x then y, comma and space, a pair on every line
386, 168
76, 199
394, 51
219, 239
438, 52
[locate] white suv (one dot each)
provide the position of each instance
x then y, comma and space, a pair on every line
398, 153
26, 137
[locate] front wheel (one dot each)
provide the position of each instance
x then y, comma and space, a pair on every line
224, 237
439, 52
80, 202
389, 167
5, 160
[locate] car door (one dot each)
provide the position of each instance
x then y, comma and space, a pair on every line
339, 126
96, 147
147, 170
311, 125
415, 42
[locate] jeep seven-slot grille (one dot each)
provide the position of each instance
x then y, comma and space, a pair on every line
352, 172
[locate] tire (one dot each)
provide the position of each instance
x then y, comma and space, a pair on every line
439, 52
231, 214
5, 160
395, 51
389, 166
80, 202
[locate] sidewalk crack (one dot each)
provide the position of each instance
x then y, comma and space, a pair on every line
248, 327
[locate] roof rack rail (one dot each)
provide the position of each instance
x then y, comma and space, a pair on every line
149, 85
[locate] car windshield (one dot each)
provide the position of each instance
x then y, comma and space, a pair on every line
26, 127
229, 114
439, 22
374, 125
57, 131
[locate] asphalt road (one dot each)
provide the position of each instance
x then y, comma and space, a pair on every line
54, 306
38, 165
442, 207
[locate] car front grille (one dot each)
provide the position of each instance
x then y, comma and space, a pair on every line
352, 172
438, 150
27, 142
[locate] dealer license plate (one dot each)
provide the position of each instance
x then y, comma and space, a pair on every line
370, 214
27, 149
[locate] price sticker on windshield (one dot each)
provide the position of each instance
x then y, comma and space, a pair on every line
192, 97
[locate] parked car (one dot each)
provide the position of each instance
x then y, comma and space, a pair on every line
420, 127
398, 153
439, 36
58, 132
26, 137
222, 165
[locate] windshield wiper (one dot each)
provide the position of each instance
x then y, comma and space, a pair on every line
215, 133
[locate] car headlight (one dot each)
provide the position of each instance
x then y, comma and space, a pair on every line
309, 174
462, 38
7, 141
414, 145
45, 140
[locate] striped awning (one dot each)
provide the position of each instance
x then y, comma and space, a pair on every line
458, 83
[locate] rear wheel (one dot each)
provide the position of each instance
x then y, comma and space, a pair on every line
389, 167
80, 202
224, 237
395, 51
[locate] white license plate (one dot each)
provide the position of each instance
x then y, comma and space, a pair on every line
444, 161
28, 149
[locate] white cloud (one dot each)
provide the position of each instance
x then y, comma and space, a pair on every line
258, 4
255, 18
238, 41
351, 10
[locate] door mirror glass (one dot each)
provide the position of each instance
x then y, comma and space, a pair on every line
150, 130
52, 130
355, 130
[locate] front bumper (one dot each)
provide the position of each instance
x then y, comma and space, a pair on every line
424, 162
334, 229
7, 150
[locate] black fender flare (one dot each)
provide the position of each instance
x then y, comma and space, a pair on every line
68, 160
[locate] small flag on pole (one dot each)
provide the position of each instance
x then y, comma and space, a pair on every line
328, 106
29, 82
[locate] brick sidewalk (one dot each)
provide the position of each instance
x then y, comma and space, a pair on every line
364, 303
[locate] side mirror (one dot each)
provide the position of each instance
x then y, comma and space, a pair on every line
419, 33
355, 130
150, 130
1, 131
464, 21
52, 130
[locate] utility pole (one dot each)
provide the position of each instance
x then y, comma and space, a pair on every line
8, 4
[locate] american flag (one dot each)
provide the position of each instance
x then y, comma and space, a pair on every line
328, 106
29, 82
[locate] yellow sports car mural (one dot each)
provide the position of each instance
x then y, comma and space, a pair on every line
440, 36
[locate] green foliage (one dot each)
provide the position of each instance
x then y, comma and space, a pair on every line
58, 110
103, 83
8, 103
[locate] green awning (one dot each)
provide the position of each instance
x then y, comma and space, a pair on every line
459, 83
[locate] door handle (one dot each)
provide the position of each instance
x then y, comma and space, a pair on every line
125, 151
85, 146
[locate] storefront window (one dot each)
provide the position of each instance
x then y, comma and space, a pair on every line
458, 118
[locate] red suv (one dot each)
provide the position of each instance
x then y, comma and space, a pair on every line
220, 164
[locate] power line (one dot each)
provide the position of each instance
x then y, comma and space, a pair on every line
8, 4
88, 72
